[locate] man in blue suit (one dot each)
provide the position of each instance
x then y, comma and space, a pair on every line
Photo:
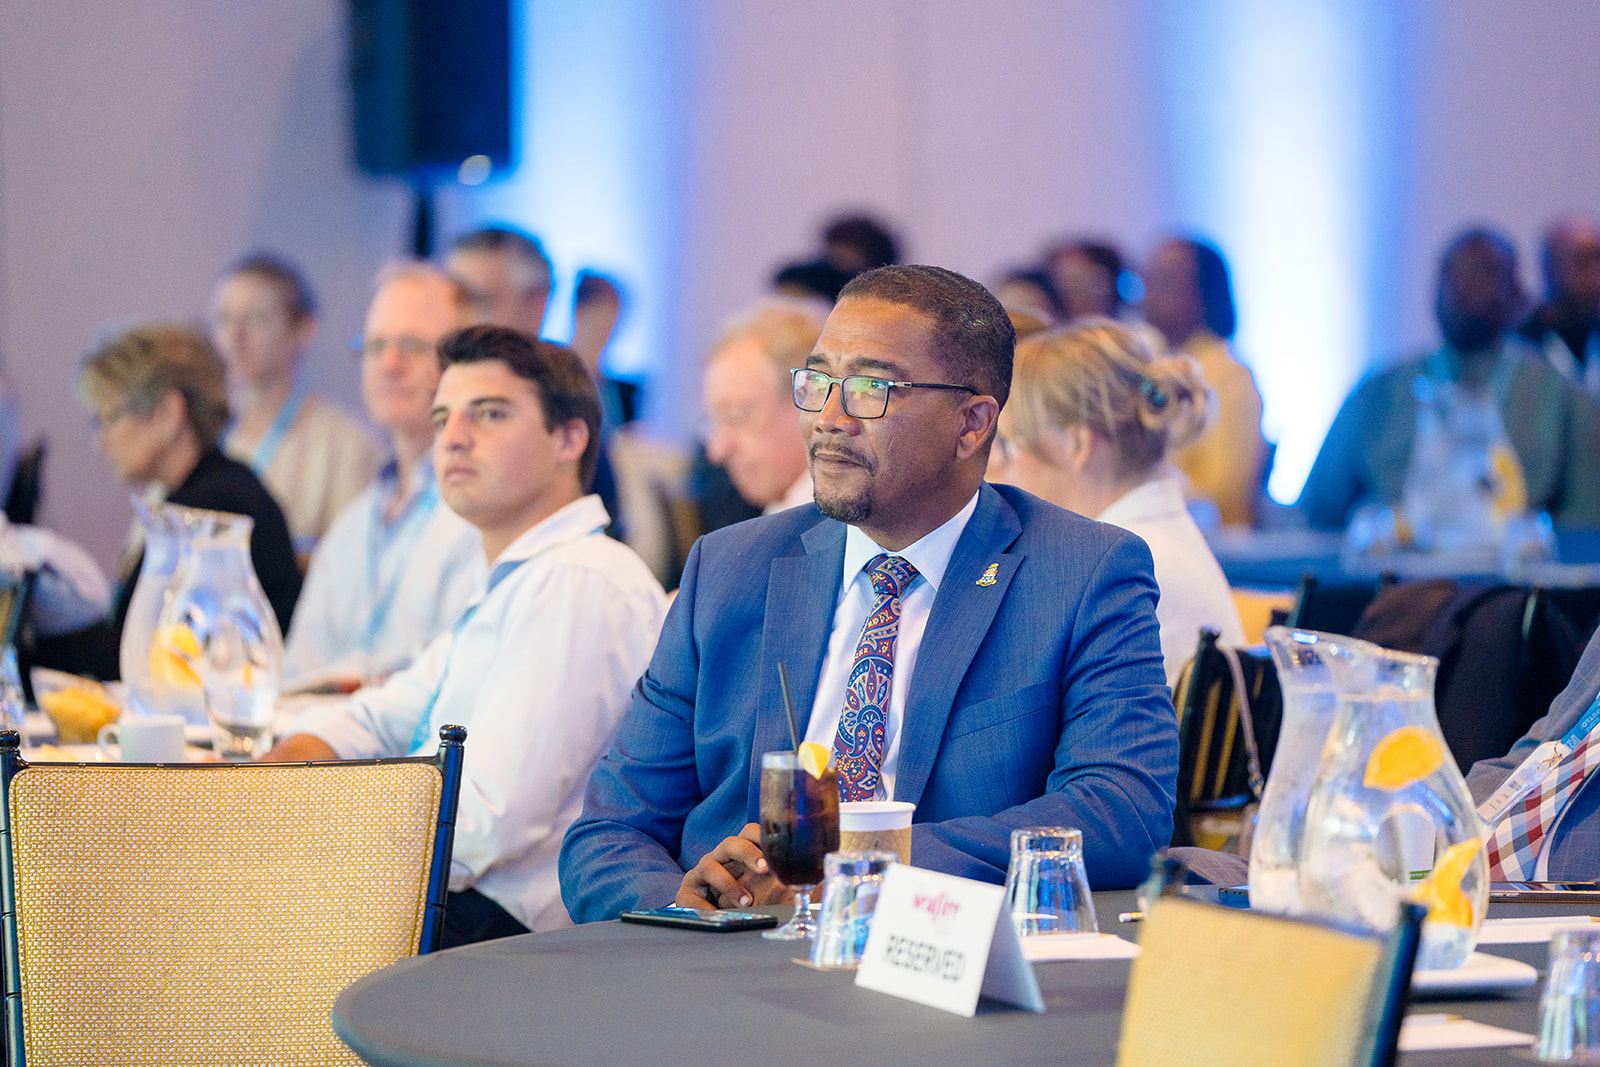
968, 647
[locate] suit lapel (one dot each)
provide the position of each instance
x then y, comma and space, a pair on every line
963, 611
801, 592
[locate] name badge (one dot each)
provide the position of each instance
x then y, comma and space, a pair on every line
944, 941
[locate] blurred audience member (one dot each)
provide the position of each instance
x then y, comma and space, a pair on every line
70, 591
850, 245
854, 243
396, 568
1553, 426
1092, 418
597, 305
811, 279
1189, 299
506, 275
159, 395
312, 454
1566, 327
749, 397
1087, 277
1029, 291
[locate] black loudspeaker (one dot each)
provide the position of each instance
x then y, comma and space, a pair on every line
430, 84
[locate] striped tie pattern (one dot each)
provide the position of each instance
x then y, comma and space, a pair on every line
858, 747
1517, 839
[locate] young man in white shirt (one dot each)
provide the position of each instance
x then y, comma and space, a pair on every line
540, 666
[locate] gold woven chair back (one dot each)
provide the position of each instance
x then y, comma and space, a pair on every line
210, 914
1225, 986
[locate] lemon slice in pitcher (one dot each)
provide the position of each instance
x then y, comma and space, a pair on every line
1441, 891
1404, 756
813, 758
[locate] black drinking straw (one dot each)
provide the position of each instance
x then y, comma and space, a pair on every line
788, 706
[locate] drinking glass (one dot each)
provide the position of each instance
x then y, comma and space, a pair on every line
1569, 1010
799, 827
849, 897
1047, 889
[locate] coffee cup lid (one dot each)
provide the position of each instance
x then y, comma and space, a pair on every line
861, 815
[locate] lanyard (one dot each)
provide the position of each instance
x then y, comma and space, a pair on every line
407, 530
267, 448
1537, 767
425, 729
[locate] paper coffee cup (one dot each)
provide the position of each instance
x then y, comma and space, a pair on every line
876, 824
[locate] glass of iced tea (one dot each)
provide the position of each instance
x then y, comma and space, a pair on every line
799, 826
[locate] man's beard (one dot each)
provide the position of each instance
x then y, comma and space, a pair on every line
850, 510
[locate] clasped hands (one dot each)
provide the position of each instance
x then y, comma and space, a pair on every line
732, 875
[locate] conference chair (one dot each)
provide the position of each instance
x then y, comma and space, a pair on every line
1230, 987
1230, 710
210, 913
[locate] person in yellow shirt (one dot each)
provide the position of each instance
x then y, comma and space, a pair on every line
1189, 299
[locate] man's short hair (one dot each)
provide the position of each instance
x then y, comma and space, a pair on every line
299, 300
566, 391
137, 367
972, 334
786, 331
523, 246
400, 269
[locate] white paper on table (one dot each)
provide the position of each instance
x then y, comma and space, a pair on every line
1423, 1033
1039, 947
1529, 931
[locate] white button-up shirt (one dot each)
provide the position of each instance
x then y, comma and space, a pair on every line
539, 670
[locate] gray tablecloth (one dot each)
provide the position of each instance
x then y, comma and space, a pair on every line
611, 993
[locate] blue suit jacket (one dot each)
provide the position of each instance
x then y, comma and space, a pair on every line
1575, 848
1038, 700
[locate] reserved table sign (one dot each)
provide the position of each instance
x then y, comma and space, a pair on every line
943, 941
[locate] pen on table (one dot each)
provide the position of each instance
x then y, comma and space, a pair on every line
1431, 1019
1131, 917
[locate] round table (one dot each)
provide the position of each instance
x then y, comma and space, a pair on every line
616, 993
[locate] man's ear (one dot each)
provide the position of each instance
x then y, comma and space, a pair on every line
574, 439
980, 418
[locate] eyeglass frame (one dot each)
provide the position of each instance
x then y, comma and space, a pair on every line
409, 345
794, 378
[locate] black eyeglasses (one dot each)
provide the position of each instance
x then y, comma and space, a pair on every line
863, 396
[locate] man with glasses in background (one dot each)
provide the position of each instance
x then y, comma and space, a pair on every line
966, 647
748, 400
397, 567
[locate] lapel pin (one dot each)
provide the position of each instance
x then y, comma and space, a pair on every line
988, 575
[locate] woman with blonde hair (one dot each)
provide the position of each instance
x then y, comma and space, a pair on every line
159, 399
1092, 419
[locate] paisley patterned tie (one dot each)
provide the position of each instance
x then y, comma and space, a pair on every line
858, 748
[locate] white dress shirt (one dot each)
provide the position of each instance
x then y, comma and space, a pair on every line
930, 555
539, 670
1194, 591
378, 591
